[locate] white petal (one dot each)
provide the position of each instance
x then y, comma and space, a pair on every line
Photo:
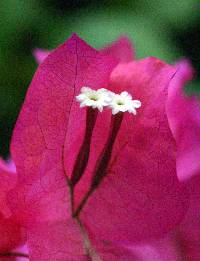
137, 104
80, 97
124, 94
85, 89
132, 110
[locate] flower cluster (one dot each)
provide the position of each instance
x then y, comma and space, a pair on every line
94, 186
102, 97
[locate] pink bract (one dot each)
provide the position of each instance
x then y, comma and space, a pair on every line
40, 55
184, 242
121, 49
138, 199
184, 119
11, 232
183, 114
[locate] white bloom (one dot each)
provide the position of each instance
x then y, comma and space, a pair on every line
123, 102
94, 98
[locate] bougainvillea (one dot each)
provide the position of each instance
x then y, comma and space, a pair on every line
95, 179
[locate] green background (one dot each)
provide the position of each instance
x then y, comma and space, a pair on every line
169, 30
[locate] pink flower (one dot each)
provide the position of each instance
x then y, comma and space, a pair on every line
91, 181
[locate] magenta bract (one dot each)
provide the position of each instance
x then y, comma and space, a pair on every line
11, 232
184, 119
121, 49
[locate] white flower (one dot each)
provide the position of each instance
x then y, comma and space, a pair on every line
94, 98
102, 97
124, 102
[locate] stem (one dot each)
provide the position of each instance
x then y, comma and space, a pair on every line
83, 155
14, 254
103, 162
104, 159
78, 210
90, 251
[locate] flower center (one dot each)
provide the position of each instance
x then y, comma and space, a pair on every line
93, 98
120, 102
97, 99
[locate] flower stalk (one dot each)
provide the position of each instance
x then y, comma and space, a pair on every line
83, 155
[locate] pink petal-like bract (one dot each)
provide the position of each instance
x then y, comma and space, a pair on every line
10, 231
165, 249
189, 231
184, 119
135, 196
184, 242
121, 49
40, 55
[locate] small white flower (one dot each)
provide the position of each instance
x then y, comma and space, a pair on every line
94, 98
124, 102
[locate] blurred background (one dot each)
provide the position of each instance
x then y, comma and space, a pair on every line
166, 29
